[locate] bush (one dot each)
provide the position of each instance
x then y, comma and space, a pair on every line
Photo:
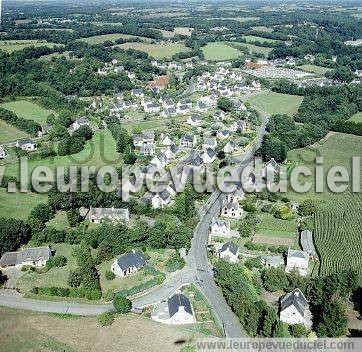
57, 262
175, 262
105, 319
110, 275
122, 304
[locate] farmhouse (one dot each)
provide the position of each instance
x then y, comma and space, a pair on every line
229, 251
188, 141
297, 260
2, 153
177, 310
97, 215
26, 144
128, 263
294, 309
37, 256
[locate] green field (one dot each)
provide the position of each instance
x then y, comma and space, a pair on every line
13, 45
276, 103
9, 133
59, 222
253, 38
256, 49
28, 110
269, 223
18, 205
263, 29
158, 51
219, 51
100, 151
355, 118
99, 39
314, 69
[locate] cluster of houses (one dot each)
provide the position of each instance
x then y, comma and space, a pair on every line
113, 67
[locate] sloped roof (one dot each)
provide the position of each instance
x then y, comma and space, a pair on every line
176, 301
129, 260
306, 241
26, 255
296, 299
233, 247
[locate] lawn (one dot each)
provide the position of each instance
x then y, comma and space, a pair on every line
158, 51
60, 221
253, 38
314, 69
99, 39
28, 110
355, 118
276, 103
9, 133
100, 151
269, 223
156, 124
30, 331
55, 276
219, 51
14, 45
18, 205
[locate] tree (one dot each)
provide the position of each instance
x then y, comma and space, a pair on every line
273, 147
73, 217
225, 104
110, 275
122, 304
13, 233
307, 208
298, 330
274, 279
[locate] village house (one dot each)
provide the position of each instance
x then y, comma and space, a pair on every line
145, 142
307, 243
272, 261
166, 140
239, 106
36, 256
152, 108
230, 147
171, 152
137, 93
177, 310
169, 112
229, 251
201, 107
128, 263
294, 309
232, 210
219, 115
159, 160
298, 260
209, 143
236, 196
168, 103
188, 141
194, 120
208, 156
77, 124
27, 145
161, 199
197, 163
221, 228
271, 168
238, 126
97, 215
223, 134
183, 109
2, 153
186, 102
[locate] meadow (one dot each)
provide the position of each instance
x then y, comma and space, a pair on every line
18, 205
255, 49
219, 51
276, 103
9, 133
99, 39
356, 117
314, 69
28, 110
263, 29
14, 45
253, 38
158, 51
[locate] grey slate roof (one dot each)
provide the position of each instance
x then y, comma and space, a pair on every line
233, 247
220, 222
129, 260
306, 241
176, 301
296, 299
26, 255
297, 254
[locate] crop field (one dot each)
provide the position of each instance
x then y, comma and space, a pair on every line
183, 30
356, 117
100, 151
57, 333
28, 110
158, 51
220, 51
14, 45
314, 69
253, 38
9, 133
276, 103
18, 205
99, 39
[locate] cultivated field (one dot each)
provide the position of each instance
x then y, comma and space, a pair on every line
219, 52
9, 133
28, 331
28, 110
18, 205
314, 69
99, 39
276, 103
355, 118
14, 45
274, 239
253, 38
157, 51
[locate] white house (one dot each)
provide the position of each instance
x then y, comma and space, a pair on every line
171, 152
128, 263
232, 210
219, 115
160, 160
271, 167
183, 109
97, 215
177, 310
224, 134
137, 93
27, 145
239, 106
168, 103
294, 309
185, 102
306, 242
169, 112
229, 147
221, 228
161, 199
272, 261
2, 153
77, 124
297, 260
37, 256
188, 141
209, 143
166, 140
152, 108
229, 251
194, 120
209, 156
201, 107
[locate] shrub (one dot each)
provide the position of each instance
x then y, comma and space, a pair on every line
110, 275
105, 319
175, 262
122, 304
57, 262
